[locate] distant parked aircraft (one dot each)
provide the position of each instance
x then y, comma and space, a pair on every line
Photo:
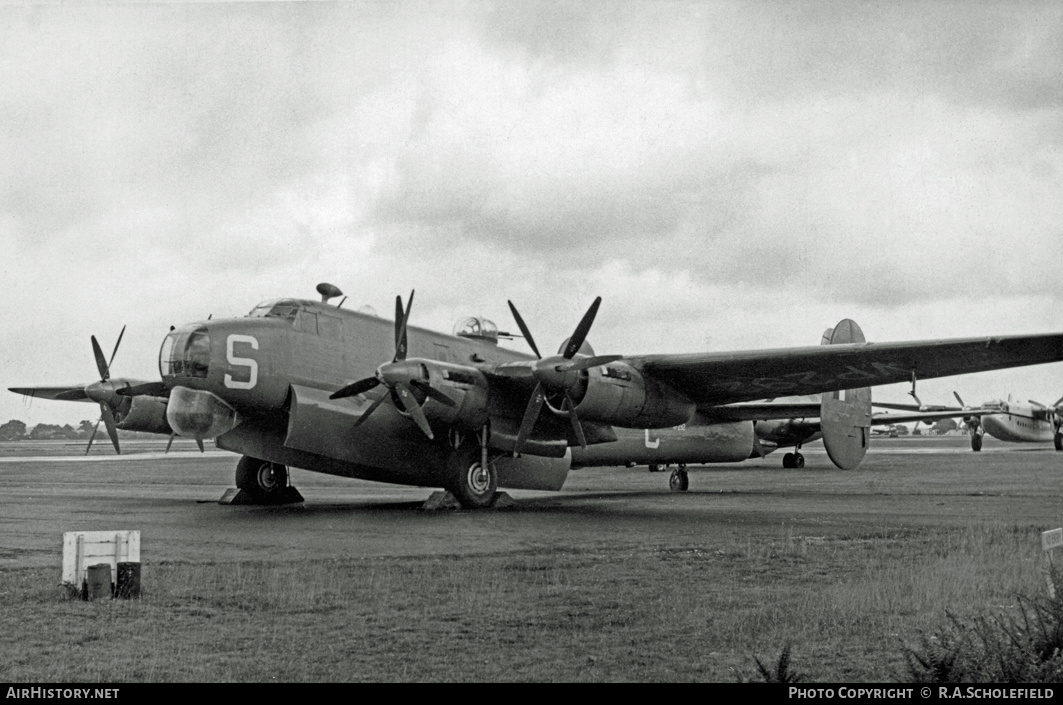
1015, 422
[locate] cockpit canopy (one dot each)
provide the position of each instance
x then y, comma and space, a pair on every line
477, 328
276, 308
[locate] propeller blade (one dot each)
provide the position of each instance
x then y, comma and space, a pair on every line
108, 421
93, 436
399, 315
362, 385
68, 395
1058, 401
199, 442
957, 395
584, 327
1037, 403
115, 351
409, 401
169, 443
101, 363
432, 392
757, 447
531, 415
585, 363
370, 410
524, 329
400, 330
576, 427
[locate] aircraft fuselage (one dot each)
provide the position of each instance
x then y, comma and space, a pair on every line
1019, 425
260, 386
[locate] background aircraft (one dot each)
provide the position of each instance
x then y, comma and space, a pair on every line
302, 383
1016, 422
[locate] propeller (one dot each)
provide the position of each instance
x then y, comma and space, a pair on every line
103, 392
971, 423
559, 374
400, 376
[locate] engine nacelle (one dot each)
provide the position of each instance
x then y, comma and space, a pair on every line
467, 388
785, 432
146, 414
199, 414
617, 394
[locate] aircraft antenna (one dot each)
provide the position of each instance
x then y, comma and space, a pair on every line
328, 291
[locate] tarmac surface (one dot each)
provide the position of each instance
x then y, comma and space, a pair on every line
48, 488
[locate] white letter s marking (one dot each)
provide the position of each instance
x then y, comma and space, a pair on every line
241, 362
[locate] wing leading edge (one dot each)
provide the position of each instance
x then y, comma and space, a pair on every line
711, 379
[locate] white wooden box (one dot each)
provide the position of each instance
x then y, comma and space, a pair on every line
84, 548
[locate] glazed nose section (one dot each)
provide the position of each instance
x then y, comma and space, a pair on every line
185, 353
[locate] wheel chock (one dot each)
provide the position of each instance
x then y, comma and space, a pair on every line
233, 495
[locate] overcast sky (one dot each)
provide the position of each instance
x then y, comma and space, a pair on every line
726, 175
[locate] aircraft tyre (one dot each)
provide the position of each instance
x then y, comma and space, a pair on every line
976, 442
261, 479
466, 479
1058, 440
679, 481
654, 467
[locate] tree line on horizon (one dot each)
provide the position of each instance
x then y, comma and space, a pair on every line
15, 430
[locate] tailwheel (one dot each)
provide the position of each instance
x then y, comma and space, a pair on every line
465, 477
679, 481
263, 480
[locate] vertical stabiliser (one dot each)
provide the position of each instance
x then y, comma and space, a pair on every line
845, 415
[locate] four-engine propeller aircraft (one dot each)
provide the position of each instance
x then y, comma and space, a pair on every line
1015, 422
302, 383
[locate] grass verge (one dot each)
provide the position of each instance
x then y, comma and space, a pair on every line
848, 606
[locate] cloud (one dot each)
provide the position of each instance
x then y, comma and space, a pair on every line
723, 174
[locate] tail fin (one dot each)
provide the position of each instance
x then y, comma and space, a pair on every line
845, 415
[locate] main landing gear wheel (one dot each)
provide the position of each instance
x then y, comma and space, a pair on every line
1058, 440
793, 460
976, 442
263, 480
474, 486
679, 481
654, 467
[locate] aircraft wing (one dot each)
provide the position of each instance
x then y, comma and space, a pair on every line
711, 379
879, 419
914, 407
68, 393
